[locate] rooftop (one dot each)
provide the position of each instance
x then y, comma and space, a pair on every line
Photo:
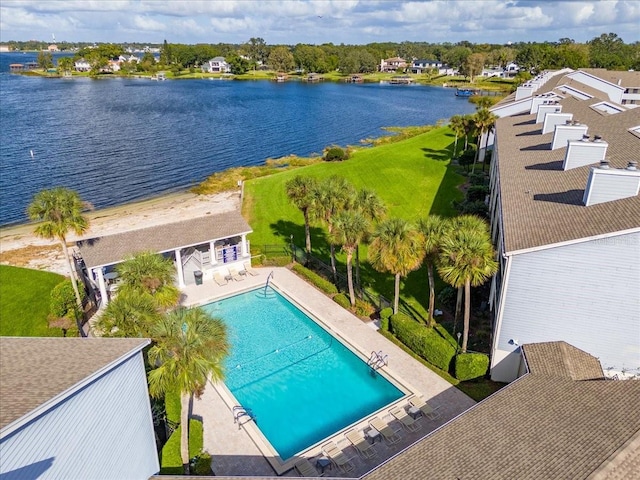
541, 203
33, 371
112, 249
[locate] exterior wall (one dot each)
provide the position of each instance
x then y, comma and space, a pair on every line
512, 108
584, 293
103, 431
613, 91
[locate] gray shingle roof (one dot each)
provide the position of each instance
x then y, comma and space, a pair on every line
542, 426
112, 249
35, 370
542, 204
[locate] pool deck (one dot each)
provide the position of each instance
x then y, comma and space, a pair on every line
235, 453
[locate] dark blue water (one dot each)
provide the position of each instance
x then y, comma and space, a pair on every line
117, 140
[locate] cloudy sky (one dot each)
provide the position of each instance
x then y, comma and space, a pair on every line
317, 21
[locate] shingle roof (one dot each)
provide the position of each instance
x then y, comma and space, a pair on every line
625, 78
112, 249
543, 426
562, 360
542, 204
35, 370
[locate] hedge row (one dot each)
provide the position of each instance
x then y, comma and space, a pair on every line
342, 300
385, 314
323, 284
424, 341
171, 458
471, 365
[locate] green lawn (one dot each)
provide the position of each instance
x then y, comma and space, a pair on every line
24, 302
413, 177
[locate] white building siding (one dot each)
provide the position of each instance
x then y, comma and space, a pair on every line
103, 431
586, 294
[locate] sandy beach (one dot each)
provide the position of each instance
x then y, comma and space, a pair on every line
19, 246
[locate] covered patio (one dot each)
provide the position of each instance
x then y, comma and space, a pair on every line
199, 247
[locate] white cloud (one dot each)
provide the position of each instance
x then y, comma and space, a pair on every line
148, 24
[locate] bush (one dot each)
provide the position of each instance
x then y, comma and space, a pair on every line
385, 313
424, 341
342, 300
171, 459
478, 179
478, 208
477, 193
172, 406
447, 297
201, 465
63, 301
322, 283
335, 154
471, 365
364, 309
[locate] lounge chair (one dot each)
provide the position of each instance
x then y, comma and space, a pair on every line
338, 457
425, 408
390, 435
235, 274
220, 280
405, 419
251, 271
364, 448
306, 469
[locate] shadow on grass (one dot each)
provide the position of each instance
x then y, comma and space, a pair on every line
448, 192
439, 154
283, 229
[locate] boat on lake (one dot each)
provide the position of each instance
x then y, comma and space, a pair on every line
465, 92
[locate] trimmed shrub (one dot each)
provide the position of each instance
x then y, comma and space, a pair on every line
424, 341
478, 179
342, 300
444, 333
477, 193
63, 301
385, 314
322, 283
171, 459
172, 406
334, 154
202, 465
471, 365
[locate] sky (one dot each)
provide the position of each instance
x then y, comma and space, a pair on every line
317, 21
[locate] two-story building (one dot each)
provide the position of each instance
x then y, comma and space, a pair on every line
392, 64
216, 65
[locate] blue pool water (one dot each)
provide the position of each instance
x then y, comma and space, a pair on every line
301, 383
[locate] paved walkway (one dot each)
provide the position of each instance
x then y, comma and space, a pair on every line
233, 450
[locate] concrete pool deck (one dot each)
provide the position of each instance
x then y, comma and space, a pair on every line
234, 452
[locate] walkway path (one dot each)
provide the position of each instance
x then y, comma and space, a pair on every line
233, 451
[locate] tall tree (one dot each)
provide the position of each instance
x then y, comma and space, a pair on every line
396, 248
281, 59
190, 349
149, 273
432, 229
457, 125
467, 259
484, 121
333, 195
60, 210
302, 193
350, 227
609, 51
373, 208
130, 315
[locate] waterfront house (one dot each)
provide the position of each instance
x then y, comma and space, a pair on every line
392, 64
424, 66
82, 65
75, 408
216, 65
565, 218
207, 245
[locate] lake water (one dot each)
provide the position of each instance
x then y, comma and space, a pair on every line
118, 140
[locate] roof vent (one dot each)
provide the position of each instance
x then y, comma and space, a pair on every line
597, 138
604, 164
585, 137
633, 165
568, 122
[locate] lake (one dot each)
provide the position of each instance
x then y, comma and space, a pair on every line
117, 140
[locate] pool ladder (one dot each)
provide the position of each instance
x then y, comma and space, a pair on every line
378, 360
239, 412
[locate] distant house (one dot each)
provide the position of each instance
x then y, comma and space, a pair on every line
492, 72
75, 408
392, 64
82, 65
113, 65
129, 58
511, 70
53, 48
420, 66
216, 65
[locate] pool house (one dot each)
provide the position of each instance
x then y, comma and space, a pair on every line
199, 248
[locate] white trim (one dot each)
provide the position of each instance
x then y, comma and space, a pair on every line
59, 398
572, 242
500, 313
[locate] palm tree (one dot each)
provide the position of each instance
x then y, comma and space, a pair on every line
471, 223
60, 210
396, 248
469, 127
333, 195
149, 273
128, 315
190, 349
373, 208
432, 229
467, 259
456, 123
301, 192
349, 228
484, 122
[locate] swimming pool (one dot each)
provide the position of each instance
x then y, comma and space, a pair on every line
300, 382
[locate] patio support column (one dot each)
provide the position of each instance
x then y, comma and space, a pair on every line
212, 250
245, 250
179, 268
102, 285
